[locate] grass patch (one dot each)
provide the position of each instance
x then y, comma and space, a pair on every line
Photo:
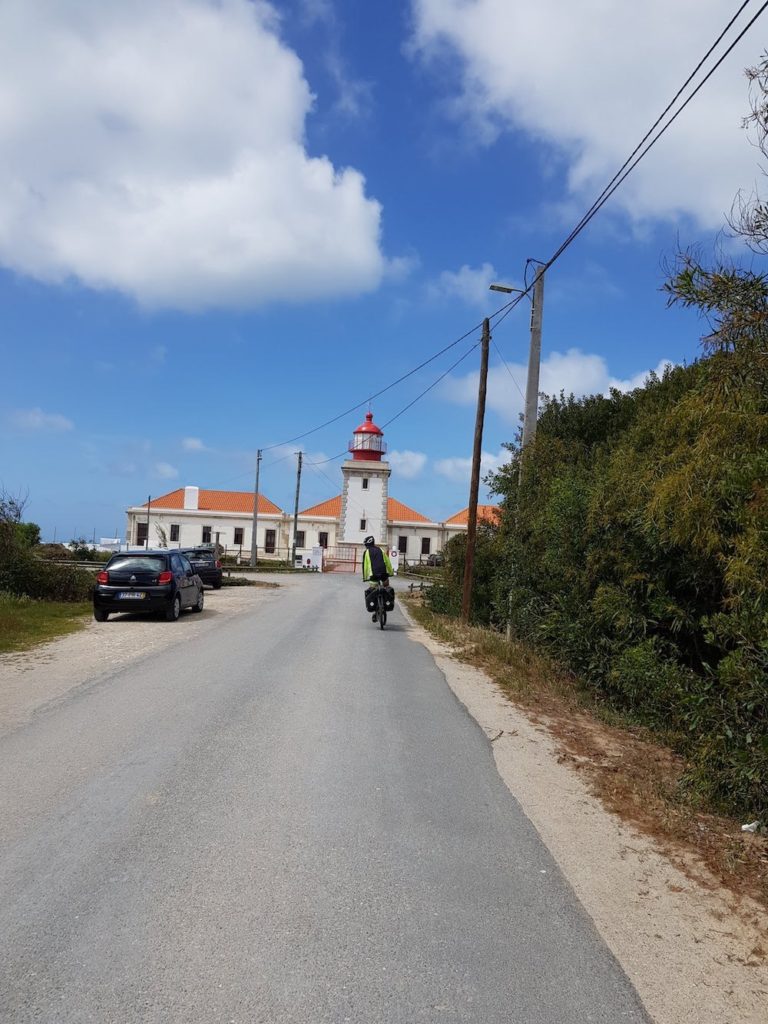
25, 622
632, 770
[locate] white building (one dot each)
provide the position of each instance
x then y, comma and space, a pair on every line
189, 516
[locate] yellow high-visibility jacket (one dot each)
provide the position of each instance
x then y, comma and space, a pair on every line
376, 562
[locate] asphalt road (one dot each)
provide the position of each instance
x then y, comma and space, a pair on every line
291, 819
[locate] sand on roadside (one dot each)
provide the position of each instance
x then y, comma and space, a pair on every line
695, 954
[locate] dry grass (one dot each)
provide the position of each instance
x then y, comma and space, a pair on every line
631, 771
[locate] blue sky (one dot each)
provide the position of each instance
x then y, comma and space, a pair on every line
224, 223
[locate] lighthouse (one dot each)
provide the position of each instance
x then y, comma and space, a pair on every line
366, 486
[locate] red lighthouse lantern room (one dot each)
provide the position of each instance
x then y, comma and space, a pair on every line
367, 442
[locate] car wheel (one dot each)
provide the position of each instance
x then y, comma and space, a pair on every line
100, 615
198, 606
174, 609
217, 586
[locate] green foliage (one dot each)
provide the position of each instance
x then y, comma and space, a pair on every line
24, 574
445, 597
28, 534
634, 544
82, 551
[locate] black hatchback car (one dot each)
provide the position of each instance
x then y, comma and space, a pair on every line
147, 581
206, 565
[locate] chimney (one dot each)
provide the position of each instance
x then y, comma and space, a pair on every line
191, 497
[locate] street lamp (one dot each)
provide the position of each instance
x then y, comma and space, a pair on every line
534, 355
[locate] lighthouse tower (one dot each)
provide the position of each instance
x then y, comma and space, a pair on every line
366, 484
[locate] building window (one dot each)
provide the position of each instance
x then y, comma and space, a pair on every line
141, 532
322, 540
300, 538
239, 531
365, 483
174, 531
402, 545
425, 542
363, 523
207, 534
269, 542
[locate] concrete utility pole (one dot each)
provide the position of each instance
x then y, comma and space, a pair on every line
296, 510
149, 506
474, 486
254, 546
534, 360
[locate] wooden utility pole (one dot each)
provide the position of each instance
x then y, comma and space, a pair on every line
474, 485
296, 511
255, 521
534, 360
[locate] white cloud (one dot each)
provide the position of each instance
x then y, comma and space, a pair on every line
467, 284
164, 471
589, 79
193, 444
158, 149
407, 464
37, 420
574, 372
458, 469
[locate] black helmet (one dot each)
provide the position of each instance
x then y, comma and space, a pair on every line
369, 541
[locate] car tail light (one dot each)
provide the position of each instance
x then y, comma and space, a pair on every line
165, 577
218, 564
102, 577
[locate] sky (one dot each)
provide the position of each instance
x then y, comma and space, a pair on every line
226, 222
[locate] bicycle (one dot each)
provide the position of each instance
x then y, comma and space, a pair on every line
381, 604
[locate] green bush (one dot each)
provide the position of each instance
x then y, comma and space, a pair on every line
634, 548
40, 580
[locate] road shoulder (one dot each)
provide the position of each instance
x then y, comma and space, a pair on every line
694, 953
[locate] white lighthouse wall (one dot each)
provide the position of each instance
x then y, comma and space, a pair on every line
368, 503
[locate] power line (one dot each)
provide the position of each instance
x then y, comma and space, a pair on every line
383, 390
411, 403
639, 152
501, 357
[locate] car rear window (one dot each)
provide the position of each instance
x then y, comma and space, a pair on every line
138, 563
200, 556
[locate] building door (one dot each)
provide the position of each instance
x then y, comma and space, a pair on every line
269, 541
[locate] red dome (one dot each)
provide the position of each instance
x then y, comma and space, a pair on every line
367, 444
369, 427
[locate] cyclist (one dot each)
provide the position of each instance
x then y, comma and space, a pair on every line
376, 564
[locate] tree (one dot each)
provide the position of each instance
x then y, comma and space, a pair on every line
749, 214
28, 534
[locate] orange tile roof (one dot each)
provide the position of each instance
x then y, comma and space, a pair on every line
330, 508
400, 513
485, 514
396, 511
217, 501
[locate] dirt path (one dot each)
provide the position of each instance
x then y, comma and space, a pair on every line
694, 953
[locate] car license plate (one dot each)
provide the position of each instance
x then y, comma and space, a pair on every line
131, 595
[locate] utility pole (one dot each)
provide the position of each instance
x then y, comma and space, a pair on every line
296, 511
149, 506
254, 546
474, 485
534, 360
